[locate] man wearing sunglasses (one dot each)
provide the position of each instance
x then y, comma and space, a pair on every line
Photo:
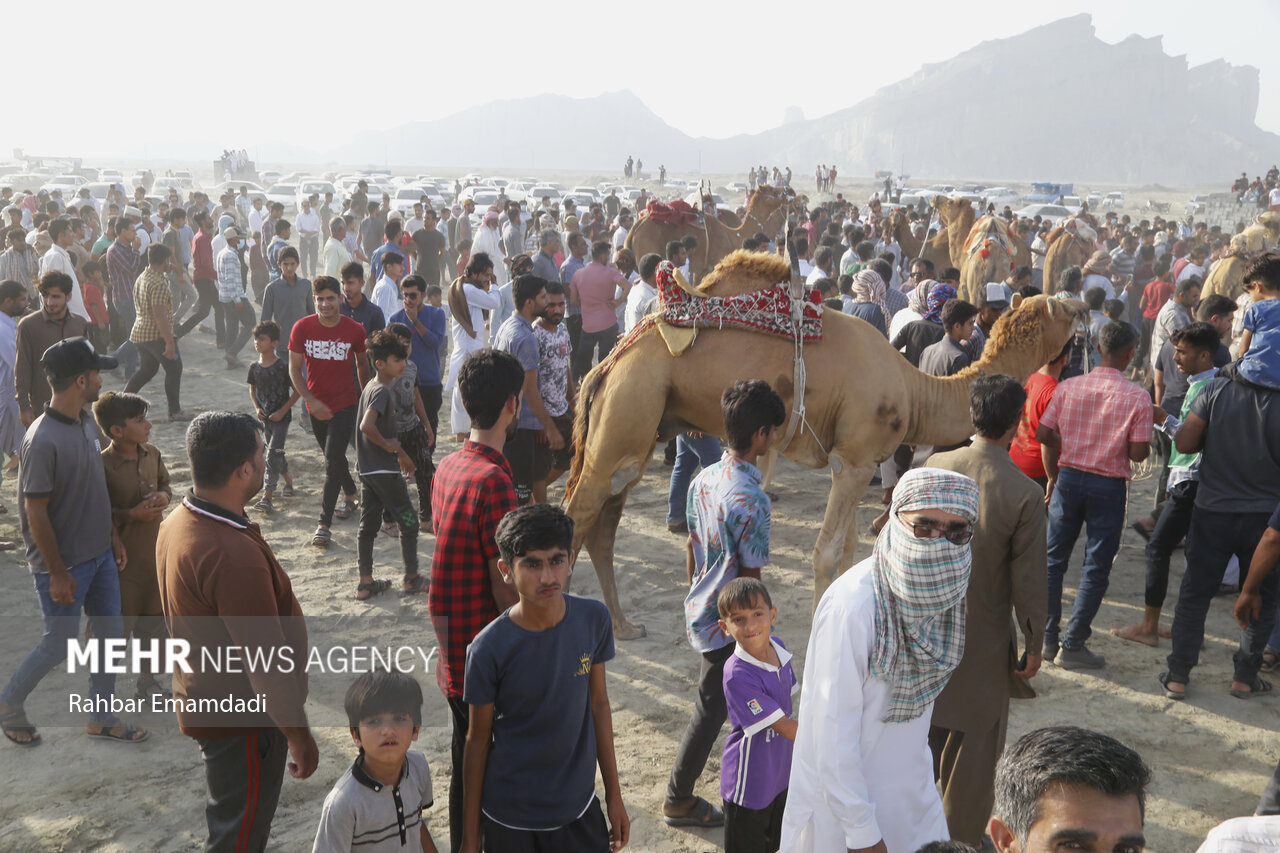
967, 734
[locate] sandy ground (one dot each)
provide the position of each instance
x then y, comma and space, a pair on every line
1211, 755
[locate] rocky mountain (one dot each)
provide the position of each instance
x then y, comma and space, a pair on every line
1054, 103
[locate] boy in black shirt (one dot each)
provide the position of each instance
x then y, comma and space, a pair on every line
273, 397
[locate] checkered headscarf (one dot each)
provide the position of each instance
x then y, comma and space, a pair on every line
919, 589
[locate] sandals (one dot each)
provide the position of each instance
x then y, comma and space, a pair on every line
322, 537
287, 491
1258, 688
129, 735
1269, 660
391, 529
377, 587
344, 510
10, 726
1165, 681
701, 814
414, 584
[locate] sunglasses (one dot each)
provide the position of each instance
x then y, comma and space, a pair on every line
958, 533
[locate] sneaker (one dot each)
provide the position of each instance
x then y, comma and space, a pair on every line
264, 505
678, 527
1050, 650
1080, 658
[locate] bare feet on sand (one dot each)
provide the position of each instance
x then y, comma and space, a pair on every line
1141, 634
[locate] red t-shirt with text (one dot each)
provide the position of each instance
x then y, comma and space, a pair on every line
327, 351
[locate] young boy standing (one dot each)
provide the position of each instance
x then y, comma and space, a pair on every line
387, 785
413, 430
728, 516
138, 486
540, 720
758, 685
381, 461
273, 396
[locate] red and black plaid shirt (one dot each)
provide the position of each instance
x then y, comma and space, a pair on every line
470, 494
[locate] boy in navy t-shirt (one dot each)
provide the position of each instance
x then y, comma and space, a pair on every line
758, 685
539, 713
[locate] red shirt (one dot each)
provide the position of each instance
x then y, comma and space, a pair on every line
1156, 293
327, 351
470, 493
1025, 450
94, 303
1098, 415
202, 257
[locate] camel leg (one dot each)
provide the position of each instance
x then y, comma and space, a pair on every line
766, 470
847, 485
599, 542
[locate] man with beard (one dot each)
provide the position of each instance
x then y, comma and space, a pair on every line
556, 388
534, 424
430, 245
36, 333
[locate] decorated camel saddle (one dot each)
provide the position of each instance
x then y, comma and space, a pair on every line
678, 212
987, 233
767, 308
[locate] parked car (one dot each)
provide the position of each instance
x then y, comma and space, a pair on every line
587, 191
69, 184
111, 175
184, 175
1002, 196
309, 187
540, 191
482, 196
162, 186
1196, 204
406, 197
254, 191
286, 194
270, 176
1050, 213
1113, 201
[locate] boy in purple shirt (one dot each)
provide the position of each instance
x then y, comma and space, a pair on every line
758, 685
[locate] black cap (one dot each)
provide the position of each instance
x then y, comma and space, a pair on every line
74, 356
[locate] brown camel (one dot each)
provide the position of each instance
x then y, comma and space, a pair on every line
1227, 277
766, 211
862, 401
957, 215
986, 256
1070, 244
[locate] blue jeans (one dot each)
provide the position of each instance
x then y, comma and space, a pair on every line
1097, 503
690, 453
1213, 539
98, 595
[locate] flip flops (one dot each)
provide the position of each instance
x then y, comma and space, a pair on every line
700, 814
374, 588
344, 510
129, 735
11, 728
322, 537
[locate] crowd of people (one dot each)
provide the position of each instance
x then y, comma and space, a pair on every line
368, 320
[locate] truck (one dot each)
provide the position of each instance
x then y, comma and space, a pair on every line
1049, 193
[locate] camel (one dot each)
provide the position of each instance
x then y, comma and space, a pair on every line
957, 215
987, 256
862, 401
1227, 277
1070, 244
766, 211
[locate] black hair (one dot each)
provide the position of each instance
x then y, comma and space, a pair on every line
10, 289
1114, 308
946, 847
957, 311
392, 229
537, 527
326, 282
674, 247
400, 330
555, 288
486, 381
478, 263
286, 253
1164, 263
1116, 338
996, 404
114, 408
392, 258
1063, 755
949, 274
1264, 269
218, 443
383, 345
1214, 305
1028, 290
354, 269
158, 253
882, 268
1199, 336
415, 281
54, 280
599, 248
382, 692
1070, 279
866, 249
269, 328
742, 593
282, 226
57, 228
1188, 284
690, 242
526, 288
1094, 297
748, 407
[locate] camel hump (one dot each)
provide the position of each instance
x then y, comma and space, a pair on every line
745, 272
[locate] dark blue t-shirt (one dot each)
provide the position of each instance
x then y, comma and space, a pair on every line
541, 773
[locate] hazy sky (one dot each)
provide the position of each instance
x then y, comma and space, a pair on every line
265, 69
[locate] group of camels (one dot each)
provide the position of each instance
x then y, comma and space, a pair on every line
861, 401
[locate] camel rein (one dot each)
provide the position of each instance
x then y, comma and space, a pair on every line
796, 289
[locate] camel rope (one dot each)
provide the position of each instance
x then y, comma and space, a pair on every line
799, 373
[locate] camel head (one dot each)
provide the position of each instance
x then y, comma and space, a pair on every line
951, 209
1270, 221
1035, 332
767, 199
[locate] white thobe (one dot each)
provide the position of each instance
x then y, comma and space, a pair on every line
488, 240
856, 779
478, 301
11, 429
